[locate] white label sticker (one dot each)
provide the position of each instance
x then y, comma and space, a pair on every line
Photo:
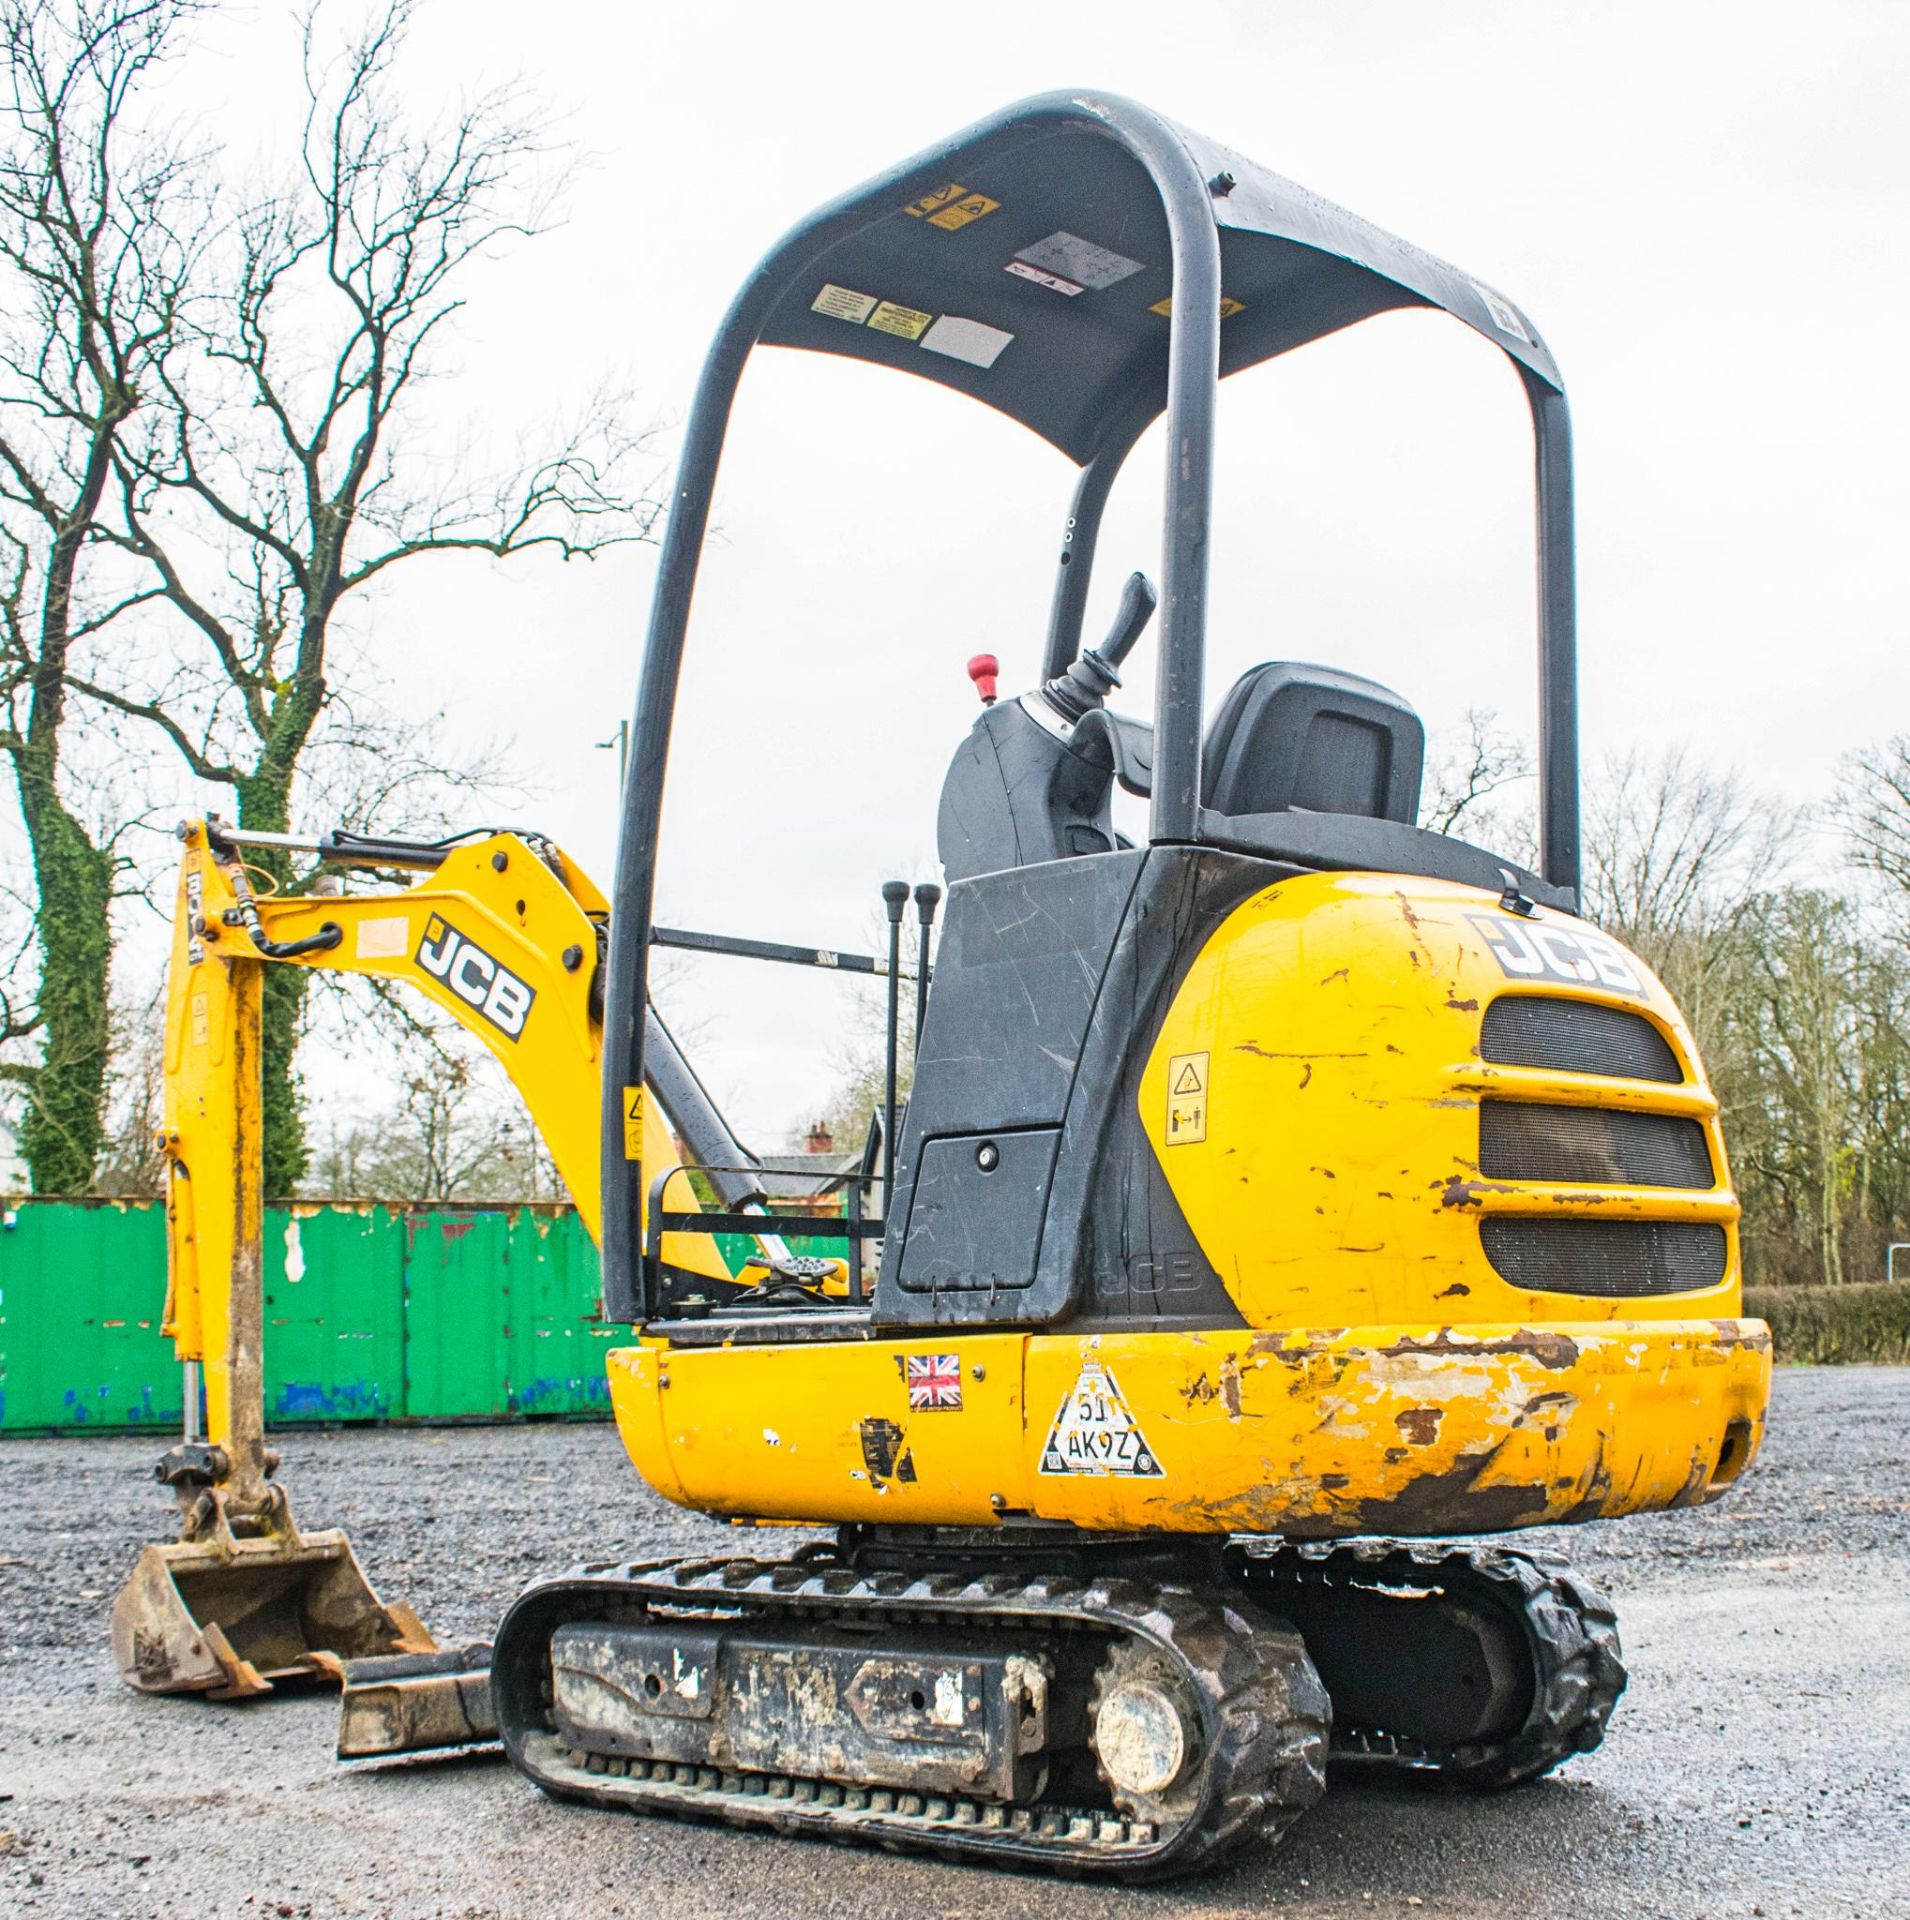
966, 340
387, 939
1095, 1434
842, 303
1043, 278
1078, 259
1503, 314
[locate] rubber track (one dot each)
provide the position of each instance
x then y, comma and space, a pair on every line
1570, 1631
1263, 1748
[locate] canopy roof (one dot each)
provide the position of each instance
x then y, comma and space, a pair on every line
1035, 274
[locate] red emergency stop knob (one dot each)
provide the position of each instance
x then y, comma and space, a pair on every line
982, 670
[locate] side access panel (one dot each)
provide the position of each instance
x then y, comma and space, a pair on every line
1026, 1190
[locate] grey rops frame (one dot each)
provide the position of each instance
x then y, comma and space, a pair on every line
1082, 264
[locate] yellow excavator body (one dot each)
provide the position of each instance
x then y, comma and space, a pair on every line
1317, 1100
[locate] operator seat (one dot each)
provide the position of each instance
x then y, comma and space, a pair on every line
1292, 736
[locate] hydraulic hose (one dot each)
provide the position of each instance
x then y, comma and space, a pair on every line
327, 937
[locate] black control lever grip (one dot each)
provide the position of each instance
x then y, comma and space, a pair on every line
1087, 684
1138, 601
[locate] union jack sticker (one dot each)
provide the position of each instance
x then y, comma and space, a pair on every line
935, 1382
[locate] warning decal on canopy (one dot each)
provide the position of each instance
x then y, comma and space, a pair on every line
1095, 1434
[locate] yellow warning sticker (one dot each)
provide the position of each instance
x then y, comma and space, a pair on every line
1229, 306
951, 207
1186, 1099
633, 1123
841, 303
905, 321
201, 1024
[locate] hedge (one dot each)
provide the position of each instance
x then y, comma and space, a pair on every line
1835, 1326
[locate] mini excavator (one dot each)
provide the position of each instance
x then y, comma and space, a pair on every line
1281, 1205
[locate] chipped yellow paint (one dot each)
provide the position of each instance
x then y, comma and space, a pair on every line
1357, 1430
824, 1431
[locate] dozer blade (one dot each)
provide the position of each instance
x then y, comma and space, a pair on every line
230, 1618
417, 1703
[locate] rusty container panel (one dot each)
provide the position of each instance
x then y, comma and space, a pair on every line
460, 1307
334, 1313
556, 1285
82, 1289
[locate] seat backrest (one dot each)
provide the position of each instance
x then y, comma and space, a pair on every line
1290, 735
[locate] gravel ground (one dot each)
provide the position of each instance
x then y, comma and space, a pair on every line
1759, 1765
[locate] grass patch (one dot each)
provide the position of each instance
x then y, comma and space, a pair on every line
1835, 1326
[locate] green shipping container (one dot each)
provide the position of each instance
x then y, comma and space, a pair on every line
82, 1291
371, 1313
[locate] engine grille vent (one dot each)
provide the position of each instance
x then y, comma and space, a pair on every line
1593, 1145
1575, 1036
1606, 1258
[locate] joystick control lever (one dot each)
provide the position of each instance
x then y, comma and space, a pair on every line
1088, 682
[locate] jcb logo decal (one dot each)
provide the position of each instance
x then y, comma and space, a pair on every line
474, 976
1538, 950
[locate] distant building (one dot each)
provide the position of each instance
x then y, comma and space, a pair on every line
810, 1181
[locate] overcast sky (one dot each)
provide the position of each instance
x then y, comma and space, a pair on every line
1703, 206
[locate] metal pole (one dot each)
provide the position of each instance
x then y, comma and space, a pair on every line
928, 897
895, 896
621, 741
1558, 635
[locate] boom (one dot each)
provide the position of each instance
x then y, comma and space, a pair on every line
504, 934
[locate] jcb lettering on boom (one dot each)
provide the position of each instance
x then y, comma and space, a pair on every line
475, 976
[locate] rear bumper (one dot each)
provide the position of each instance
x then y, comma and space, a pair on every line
1419, 1431
1403, 1429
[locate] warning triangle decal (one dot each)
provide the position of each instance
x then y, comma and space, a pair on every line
1094, 1432
1189, 1081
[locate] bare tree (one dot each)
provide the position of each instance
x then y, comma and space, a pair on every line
1873, 808
455, 1132
301, 467
1673, 852
1480, 789
98, 230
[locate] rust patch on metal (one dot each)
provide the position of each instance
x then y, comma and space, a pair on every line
1461, 1192
1420, 1425
1753, 1336
1552, 1350
1453, 1501
1462, 1006
1457, 1289
885, 1450
1338, 973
